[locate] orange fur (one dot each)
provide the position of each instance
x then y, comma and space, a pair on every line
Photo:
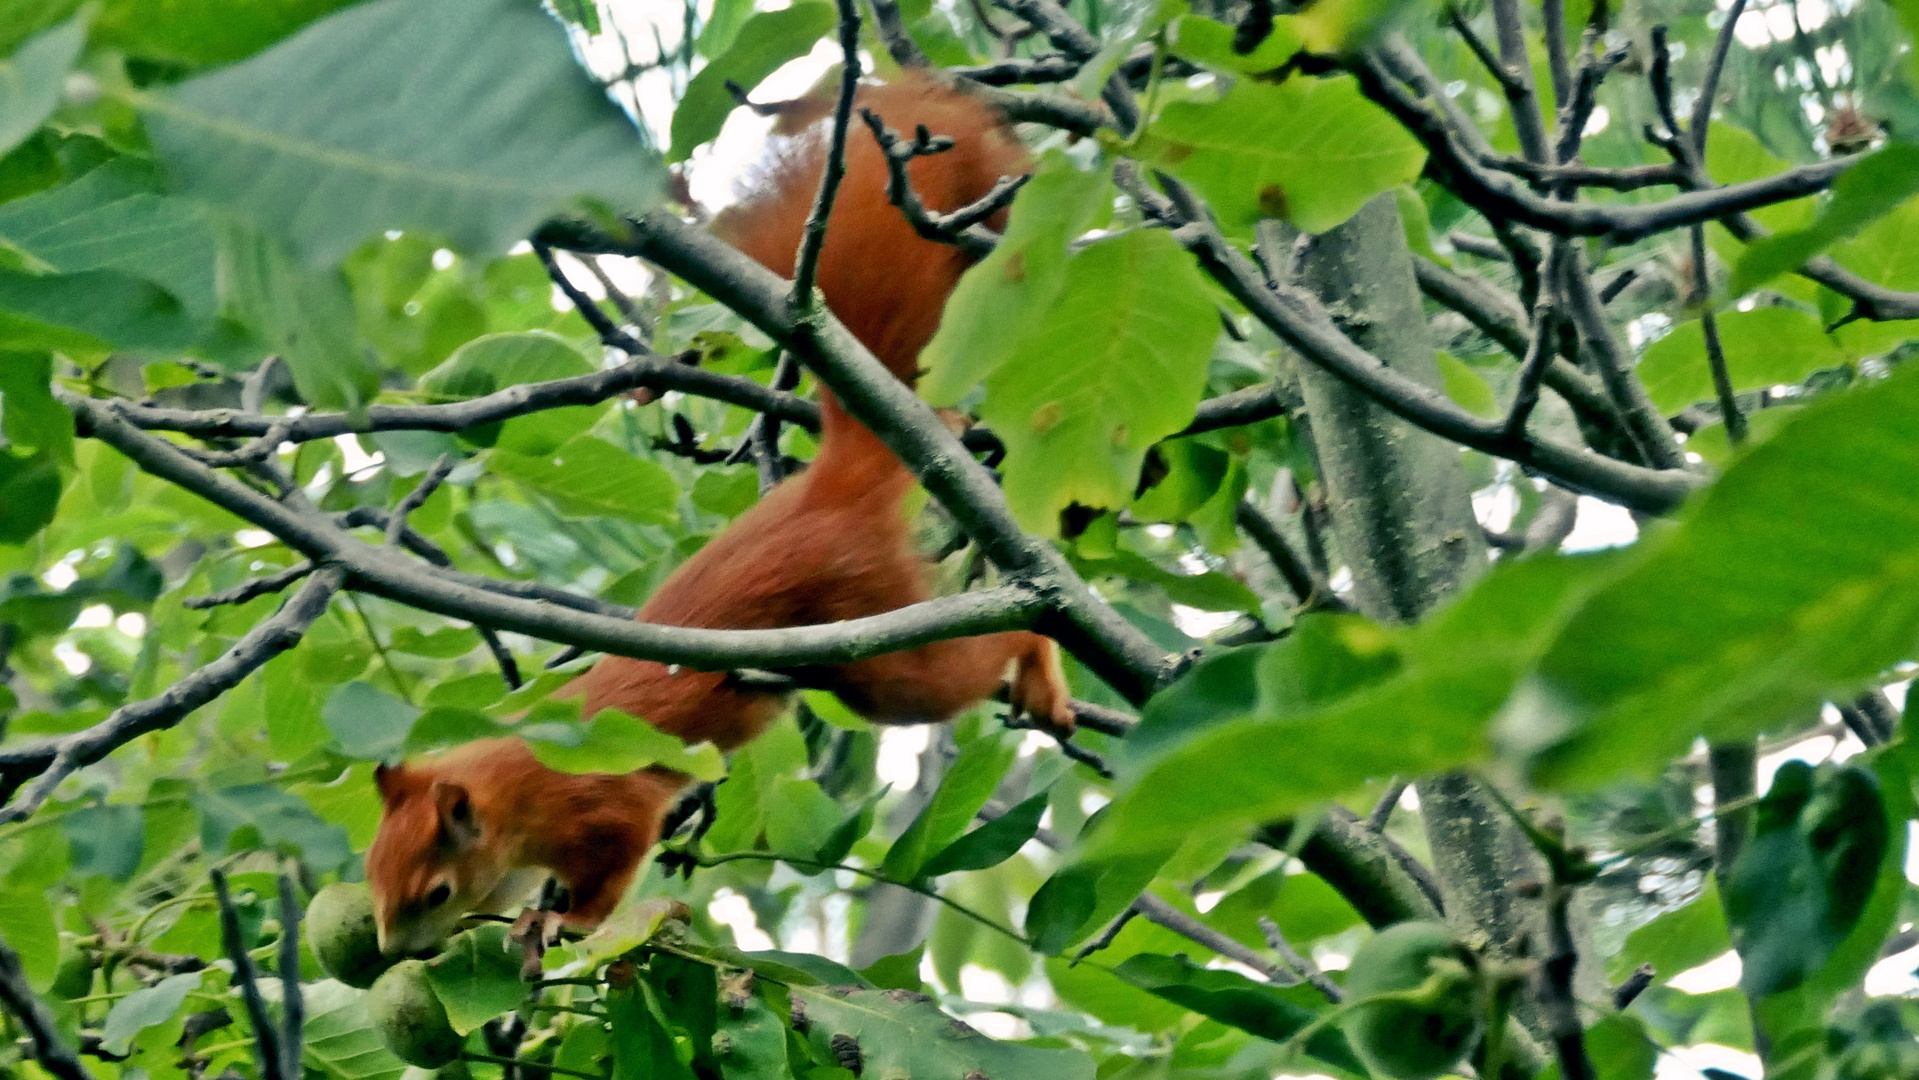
832, 543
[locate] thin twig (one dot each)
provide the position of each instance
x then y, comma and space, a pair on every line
1715, 351
430, 483
1628, 992
266, 1036
258, 449
1104, 939
1709, 84
292, 1001
806, 262
44, 1041
1276, 939
1382, 811
1299, 577
247, 590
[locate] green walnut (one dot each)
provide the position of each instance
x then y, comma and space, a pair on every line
410, 1018
339, 922
1431, 1021
74, 977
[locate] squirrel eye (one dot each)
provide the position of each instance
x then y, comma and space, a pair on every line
441, 894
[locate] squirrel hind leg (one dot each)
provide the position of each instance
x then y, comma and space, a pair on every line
1039, 687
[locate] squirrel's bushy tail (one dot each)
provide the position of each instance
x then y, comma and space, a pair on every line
882, 280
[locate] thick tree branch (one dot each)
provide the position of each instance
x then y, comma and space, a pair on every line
384, 572
1093, 631
644, 370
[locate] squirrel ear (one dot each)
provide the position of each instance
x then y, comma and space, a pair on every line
455, 807
388, 779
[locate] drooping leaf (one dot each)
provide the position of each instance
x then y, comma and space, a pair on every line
642, 1046
1231, 998
990, 844
1308, 151
26, 923
962, 791
614, 742
750, 1043
146, 1007
1805, 875
1677, 940
204, 31
467, 119
341, 1041
367, 722
263, 815
496, 361
304, 315
108, 839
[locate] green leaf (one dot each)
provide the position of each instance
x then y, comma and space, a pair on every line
762, 44
466, 119
341, 1041
1231, 998
29, 494
114, 218
203, 32
496, 361
990, 844
1308, 151
1210, 42
1619, 1048
108, 839
852, 830
642, 1046
263, 816
146, 1007
1011, 289
107, 305
26, 923
1766, 346
367, 722
1757, 607
1342, 701
304, 315
1804, 877
800, 818
1863, 194
629, 927
1677, 940
1114, 363
750, 1043
33, 78
589, 477
904, 1034
962, 791
614, 742
30, 418
477, 977
1466, 387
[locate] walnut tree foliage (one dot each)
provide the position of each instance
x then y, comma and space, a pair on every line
361, 374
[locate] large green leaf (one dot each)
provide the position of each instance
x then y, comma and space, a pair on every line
1863, 194
1760, 605
1677, 940
108, 305
990, 844
305, 315
467, 119
263, 816
477, 977
962, 791
496, 361
1308, 151
146, 1007
204, 31
114, 218
589, 477
1763, 347
26, 924
1008, 292
1115, 362
1805, 876
614, 742
341, 1041
1231, 998
31, 80
367, 722
1340, 701
905, 1034
761, 45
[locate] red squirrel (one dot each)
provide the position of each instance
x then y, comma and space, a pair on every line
477, 828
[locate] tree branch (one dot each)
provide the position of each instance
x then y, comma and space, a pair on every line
53, 760
813, 238
44, 1042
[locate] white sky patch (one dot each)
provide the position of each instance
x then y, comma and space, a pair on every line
93, 617
1720, 973
132, 624
355, 459
717, 167
253, 538
731, 910
1201, 624
1690, 1062
1894, 975
76, 662
899, 756
1600, 525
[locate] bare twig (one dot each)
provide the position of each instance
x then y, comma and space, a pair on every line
962, 227
1161, 913
1709, 85
806, 263
1715, 352
1628, 992
1382, 811
1298, 575
256, 450
430, 483
292, 1001
247, 590
1276, 938
44, 1041
53, 760
891, 29
266, 1035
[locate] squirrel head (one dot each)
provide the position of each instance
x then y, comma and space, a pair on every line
436, 858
